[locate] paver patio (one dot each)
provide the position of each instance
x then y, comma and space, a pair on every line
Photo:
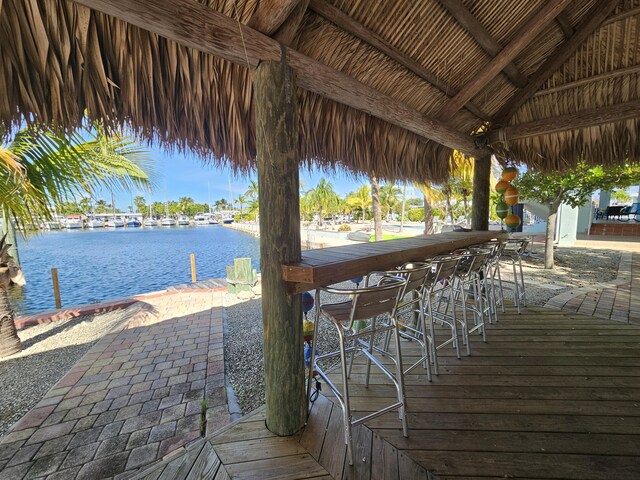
134, 397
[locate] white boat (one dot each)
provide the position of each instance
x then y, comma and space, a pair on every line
50, 225
73, 221
150, 222
168, 222
202, 219
115, 222
183, 220
95, 223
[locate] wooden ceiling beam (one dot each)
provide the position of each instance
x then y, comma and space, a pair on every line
526, 34
632, 12
349, 25
565, 25
586, 81
199, 27
271, 14
592, 20
571, 121
287, 31
482, 36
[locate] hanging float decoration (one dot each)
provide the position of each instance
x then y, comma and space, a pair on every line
509, 197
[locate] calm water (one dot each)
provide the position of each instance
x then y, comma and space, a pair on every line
95, 265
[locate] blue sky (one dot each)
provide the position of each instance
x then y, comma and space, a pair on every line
183, 175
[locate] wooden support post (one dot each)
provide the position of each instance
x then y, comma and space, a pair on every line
278, 186
56, 287
481, 193
194, 278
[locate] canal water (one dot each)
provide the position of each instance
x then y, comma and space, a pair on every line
97, 265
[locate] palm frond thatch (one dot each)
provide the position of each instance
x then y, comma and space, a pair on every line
60, 59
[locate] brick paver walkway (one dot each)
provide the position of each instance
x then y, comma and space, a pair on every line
135, 396
619, 300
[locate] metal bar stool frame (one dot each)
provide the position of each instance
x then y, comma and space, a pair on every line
438, 285
373, 303
416, 274
512, 252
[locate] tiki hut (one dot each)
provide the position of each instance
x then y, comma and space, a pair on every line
381, 87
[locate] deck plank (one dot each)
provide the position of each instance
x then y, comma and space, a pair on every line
384, 460
206, 464
550, 395
285, 468
314, 432
362, 443
334, 449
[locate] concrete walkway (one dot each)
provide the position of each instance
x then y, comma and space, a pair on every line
135, 396
618, 300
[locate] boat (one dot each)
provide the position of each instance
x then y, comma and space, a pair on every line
73, 222
213, 220
168, 222
50, 225
150, 222
94, 222
115, 222
201, 218
183, 221
133, 223
227, 220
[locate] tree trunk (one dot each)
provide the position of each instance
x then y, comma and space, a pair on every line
9, 340
481, 193
9, 228
549, 234
449, 209
276, 115
428, 216
377, 209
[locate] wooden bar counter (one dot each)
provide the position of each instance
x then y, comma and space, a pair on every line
331, 265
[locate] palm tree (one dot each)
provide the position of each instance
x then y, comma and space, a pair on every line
41, 169
102, 206
389, 194
252, 190
431, 196
241, 200
140, 203
323, 198
9, 273
360, 199
376, 208
185, 205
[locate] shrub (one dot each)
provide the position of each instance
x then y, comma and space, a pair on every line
344, 228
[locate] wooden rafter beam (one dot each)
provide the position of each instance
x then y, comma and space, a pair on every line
632, 12
287, 31
482, 36
526, 34
593, 19
271, 14
565, 25
349, 25
585, 81
199, 27
571, 121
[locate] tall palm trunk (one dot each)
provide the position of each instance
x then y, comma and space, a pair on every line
9, 341
428, 216
377, 208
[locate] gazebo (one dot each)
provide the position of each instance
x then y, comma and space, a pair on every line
384, 88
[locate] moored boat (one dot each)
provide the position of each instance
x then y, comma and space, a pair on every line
93, 222
115, 222
168, 222
183, 220
150, 222
133, 223
73, 222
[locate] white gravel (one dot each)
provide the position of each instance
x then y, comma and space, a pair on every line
243, 320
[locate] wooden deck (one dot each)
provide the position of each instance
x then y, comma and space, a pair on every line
327, 266
550, 396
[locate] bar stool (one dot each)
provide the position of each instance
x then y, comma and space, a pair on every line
438, 291
376, 305
412, 305
469, 294
492, 279
512, 253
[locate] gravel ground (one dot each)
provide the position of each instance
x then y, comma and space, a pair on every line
49, 350
243, 321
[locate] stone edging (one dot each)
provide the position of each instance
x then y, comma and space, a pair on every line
623, 277
102, 307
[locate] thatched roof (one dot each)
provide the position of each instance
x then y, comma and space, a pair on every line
59, 59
